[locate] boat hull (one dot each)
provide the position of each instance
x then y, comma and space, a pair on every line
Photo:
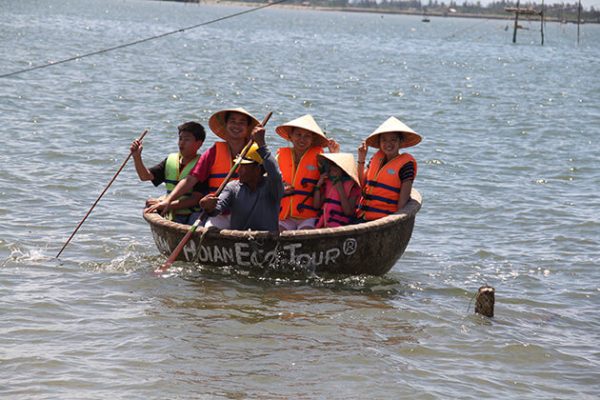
370, 248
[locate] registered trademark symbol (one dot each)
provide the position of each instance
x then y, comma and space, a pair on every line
349, 247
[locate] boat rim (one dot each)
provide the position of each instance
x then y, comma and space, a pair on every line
407, 212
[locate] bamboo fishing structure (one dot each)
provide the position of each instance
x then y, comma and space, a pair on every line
526, 11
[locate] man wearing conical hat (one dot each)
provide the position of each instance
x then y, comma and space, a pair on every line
337, 191
234, 126
387, 180
300, 171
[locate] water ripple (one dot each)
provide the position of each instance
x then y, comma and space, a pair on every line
507, 168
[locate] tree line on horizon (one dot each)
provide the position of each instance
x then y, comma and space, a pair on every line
557, 11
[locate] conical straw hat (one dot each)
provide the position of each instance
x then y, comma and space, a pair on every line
345, 161
393, 124
217, 122
306, 122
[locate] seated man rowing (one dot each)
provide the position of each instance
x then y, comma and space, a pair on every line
254, 199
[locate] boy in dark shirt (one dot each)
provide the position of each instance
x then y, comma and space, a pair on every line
175, 168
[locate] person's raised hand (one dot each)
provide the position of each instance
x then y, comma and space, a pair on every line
136, 148
362, 152
258, 135
333, 146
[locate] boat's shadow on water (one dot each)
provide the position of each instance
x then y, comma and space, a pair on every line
292, 300
294, 276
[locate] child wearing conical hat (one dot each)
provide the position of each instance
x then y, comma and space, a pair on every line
337, 191
300, 171
387, 180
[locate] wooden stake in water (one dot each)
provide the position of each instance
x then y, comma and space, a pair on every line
516, 23
578, 20
484, 302
542, 22
99, 197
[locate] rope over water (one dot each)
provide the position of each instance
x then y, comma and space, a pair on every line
121, 46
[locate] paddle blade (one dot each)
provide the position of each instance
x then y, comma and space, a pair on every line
175, 252
180, 246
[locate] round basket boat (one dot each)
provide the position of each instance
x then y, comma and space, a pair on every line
370, 248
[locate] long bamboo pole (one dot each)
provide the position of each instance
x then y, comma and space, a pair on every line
99, 197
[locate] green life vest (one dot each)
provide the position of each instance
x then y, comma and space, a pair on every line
173, 176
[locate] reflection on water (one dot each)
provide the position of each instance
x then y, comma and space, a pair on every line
507, 167
288, 276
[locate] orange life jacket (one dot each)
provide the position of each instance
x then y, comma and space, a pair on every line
381, 191
220, 167
333, 213
304, 177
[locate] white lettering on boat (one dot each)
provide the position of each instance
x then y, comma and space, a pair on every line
292, 249
161, 243
227, 255
248, 254
331, 255
241, 256
189, 251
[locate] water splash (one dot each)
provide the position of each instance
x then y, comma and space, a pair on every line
128, 262
23, 255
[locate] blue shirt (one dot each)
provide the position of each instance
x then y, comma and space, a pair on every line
256, 210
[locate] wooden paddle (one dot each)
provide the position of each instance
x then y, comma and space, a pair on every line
99, 197
198, 221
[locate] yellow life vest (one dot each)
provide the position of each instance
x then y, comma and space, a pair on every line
173, 176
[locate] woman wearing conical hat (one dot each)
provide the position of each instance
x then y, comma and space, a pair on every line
337, 191
234, 126
387, 180
300, 171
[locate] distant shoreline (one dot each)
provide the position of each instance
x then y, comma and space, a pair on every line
415, 12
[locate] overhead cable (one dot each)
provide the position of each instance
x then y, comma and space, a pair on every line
121, 46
